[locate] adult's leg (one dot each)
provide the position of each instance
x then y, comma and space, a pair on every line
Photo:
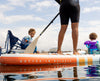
61, 37
75, 37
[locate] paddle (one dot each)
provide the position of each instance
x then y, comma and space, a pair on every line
31, 47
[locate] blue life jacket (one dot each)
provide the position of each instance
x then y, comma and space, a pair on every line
91, 46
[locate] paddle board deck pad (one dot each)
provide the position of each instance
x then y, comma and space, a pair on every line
40, 59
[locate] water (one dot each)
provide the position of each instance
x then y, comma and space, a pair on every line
66, 72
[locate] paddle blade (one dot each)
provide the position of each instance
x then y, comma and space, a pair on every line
31, 47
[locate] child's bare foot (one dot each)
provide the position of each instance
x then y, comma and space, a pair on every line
59, 52
76, 53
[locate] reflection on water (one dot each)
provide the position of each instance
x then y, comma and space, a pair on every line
93, 71
75, 73
66, 72
8, 78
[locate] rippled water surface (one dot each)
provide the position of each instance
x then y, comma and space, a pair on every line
66, 72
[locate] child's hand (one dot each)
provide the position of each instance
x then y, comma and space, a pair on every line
37, 52
26, 40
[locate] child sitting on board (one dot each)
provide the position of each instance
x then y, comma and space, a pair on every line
28, 39
92, 44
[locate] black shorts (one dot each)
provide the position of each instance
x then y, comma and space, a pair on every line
69, 12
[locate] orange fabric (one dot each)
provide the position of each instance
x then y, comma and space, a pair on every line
37, 60
81, 61
90, 61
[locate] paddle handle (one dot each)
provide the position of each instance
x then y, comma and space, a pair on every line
49, 24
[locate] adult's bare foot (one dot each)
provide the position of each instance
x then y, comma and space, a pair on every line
76, 53
59, 52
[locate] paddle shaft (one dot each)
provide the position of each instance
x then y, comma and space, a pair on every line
31, 47
49, 24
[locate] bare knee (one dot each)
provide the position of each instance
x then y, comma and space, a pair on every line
63, 28
74, 27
